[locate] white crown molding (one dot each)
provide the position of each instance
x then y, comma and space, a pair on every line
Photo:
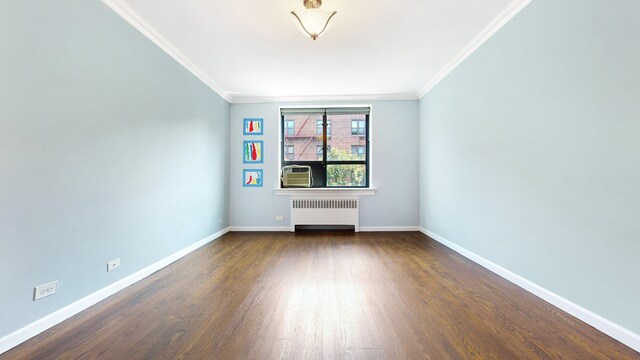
125, 11
21, 335
239, 99
608, 327
496, 24
132, 17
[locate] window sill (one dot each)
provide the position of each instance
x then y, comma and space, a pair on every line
325, 191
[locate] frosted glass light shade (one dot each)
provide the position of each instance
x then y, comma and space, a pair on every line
313, 22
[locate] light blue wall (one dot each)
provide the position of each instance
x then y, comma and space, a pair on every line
394, 150
108, 149
530, 153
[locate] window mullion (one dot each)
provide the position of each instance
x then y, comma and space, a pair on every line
367, 149
324, 147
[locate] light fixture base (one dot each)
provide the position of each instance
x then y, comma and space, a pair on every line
312, 4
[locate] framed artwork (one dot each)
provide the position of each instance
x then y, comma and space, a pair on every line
252, 126
252, 152
252, 177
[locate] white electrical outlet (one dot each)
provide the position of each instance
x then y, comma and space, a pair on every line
45, 290
113, 264
279, 218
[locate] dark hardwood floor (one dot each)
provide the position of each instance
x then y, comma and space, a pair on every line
331, 295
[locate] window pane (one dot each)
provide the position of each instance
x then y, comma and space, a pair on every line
302, 138
288, 152
319, 151
288, 127
319, 127
342, 140
358, 151
346, 175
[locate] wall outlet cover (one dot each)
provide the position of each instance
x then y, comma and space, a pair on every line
113, 264
44, 290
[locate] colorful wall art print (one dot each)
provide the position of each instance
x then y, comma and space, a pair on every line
252, 177
252, 152
253, 126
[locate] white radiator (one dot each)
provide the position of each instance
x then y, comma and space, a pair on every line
342, 211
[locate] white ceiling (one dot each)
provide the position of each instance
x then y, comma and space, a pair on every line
250, 50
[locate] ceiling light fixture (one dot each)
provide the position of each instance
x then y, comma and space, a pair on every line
313, 21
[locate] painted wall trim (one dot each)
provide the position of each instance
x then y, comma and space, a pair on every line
132, 17
240, 99
608, 327
388, 228
323, 192
496, 24
19, 336
260, 228
125, 11
288, 228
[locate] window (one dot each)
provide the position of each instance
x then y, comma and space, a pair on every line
357, 151
319, 127
320, 151
288, 127
338, 160
288, 152
358, 127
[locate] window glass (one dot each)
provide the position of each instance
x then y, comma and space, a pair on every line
288, 152
358, 151
346, 175
319, 127
358, 127
288, 127
305, 138
343, 142
319, 151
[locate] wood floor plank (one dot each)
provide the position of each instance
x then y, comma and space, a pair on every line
322, 295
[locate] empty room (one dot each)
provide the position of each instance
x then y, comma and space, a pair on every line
307, 179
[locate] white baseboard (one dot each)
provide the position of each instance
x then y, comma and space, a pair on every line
19, 336
260, 228
608, 327
361, 228
388, 228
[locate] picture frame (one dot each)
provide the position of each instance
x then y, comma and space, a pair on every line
253, 126
252, 152
252, 178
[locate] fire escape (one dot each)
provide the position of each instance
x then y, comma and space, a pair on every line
297, 135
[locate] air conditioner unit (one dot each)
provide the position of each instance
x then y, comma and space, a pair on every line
296, 176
